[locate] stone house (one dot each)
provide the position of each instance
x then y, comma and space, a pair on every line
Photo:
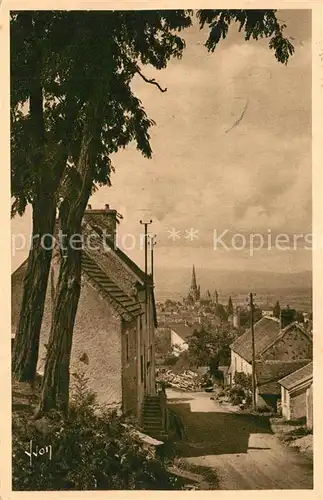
297, 394
179, 334
268, 374
277, 347
113, 338
265, 331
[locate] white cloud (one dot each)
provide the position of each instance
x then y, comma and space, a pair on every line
257, 175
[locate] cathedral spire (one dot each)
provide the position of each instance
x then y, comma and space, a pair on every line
194, 293
193, 282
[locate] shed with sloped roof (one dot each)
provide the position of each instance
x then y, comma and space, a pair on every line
297, 394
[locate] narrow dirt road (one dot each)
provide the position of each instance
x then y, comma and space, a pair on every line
241, 448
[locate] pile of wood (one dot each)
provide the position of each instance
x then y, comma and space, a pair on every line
186, 381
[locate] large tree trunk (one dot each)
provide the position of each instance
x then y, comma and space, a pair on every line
48, 177
56, 375
26, 344
25, 354
55, 387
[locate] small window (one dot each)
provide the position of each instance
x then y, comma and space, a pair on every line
150, 356
142, 368
127, 346
84, 358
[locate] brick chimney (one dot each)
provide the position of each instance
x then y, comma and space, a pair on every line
287, 316
104, 219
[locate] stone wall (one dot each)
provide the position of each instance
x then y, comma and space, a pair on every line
298, 405
293, 345
129, 366
96, 348
309, 407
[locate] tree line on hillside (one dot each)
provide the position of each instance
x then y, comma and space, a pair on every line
72, 106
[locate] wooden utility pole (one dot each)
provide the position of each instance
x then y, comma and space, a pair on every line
146, 224
152, 243
254, 405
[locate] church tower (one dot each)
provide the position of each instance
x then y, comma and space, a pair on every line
193, 282
194, 291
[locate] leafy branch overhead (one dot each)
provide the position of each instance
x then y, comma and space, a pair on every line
255, 24
85, 54
83, 51
72, 107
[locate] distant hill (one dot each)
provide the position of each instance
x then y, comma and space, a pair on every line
175, 283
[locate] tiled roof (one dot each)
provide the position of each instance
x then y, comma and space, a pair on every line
297, 377
102, 268
269, 373
266, 331
294, 324
128, 307
98, 217
145, 278
97, 222
184, 331
141, 277
308, 326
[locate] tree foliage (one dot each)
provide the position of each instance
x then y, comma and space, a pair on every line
221, 312
84, 101
72, 106
211, 346
254, 23
91, 450
276, 310
243, 379
76, 44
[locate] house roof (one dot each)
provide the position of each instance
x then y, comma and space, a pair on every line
98, 217
183, 330
266, 331
98, 222
294, 324
128, 307
269, 373
297, 377
308, 326
108, 269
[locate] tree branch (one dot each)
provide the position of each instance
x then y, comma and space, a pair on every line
152, 80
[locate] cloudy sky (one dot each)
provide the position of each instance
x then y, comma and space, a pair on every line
253, 178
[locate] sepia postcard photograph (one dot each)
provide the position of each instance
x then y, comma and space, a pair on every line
162, 311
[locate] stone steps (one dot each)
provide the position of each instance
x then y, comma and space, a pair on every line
152, 417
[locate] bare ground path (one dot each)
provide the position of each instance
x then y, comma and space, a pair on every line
241, 448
